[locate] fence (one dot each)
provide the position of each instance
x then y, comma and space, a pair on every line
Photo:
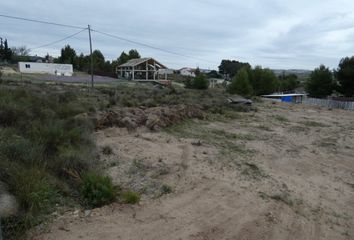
329, 103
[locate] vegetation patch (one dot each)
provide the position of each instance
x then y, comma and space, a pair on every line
107, 150
280, 118
313, 124
228, 143
97, 191
130, 197
253, 171
166, 189
45, 147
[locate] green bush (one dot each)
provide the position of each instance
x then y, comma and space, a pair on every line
107, 150
130, 197
166, 189
97, 190
240, 84
199, 82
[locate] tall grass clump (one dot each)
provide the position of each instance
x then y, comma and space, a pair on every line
97, 190
45, 149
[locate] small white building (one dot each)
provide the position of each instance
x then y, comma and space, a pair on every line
46, 68
188, 72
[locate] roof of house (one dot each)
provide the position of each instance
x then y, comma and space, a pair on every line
136, 61
285, 95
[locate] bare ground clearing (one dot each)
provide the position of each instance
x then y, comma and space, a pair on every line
283, 172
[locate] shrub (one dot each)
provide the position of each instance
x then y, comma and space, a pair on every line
97, 190
241, 84
199, 82
130, 197
107, 150
166, 189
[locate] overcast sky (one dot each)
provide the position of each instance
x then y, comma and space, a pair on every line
272, 33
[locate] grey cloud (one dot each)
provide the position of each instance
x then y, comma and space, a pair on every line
272, 33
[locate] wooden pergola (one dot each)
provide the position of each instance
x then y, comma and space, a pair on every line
139, 69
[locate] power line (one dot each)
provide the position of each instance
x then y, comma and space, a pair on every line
149, 46
103, 33
60, 40
40, 21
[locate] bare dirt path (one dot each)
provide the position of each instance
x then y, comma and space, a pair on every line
283, 172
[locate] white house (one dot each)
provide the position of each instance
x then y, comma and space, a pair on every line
48, 68
188, 72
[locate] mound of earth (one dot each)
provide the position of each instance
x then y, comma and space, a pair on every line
153, 118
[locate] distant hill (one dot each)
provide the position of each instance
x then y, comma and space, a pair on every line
300, 73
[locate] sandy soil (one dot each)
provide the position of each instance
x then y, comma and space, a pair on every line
284, 172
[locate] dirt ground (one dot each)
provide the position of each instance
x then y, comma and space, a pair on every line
283, 172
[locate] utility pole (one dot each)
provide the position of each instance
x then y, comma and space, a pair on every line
89, 31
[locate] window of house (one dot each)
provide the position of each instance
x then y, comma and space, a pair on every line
28, 66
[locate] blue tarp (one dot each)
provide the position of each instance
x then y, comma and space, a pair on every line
287, 99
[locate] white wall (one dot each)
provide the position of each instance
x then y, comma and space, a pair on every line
49, 68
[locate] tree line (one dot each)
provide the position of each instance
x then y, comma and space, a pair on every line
248, 81
68, 55
324, 82
102, 66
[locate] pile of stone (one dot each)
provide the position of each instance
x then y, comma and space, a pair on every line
153, 118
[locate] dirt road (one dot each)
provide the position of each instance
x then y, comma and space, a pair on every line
283, 172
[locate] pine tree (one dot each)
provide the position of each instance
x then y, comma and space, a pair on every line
345, 76
241, 84
7, 52
321, 82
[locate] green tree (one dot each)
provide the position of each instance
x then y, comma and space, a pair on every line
232, 67
214, 74
288, 83
345, 76
5, 52
98, 59
240, 84
199, 82
68, 56
320, 83
123, 58
83, 63
133, 53
263, 81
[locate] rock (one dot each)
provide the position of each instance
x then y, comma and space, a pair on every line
129, 123
87, 213
76, 213
8, 205
151, 121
